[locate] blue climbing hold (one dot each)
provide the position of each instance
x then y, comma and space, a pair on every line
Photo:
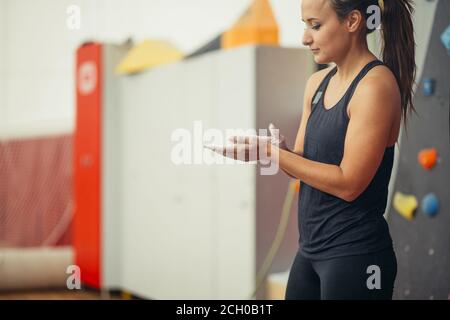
430, 204
428, 87
445, 38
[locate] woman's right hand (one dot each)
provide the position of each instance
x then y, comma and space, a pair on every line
276, 138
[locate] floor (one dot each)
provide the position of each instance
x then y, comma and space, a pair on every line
53, 294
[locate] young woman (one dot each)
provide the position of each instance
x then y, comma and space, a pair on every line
344, 149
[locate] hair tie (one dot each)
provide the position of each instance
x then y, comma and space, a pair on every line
381, 5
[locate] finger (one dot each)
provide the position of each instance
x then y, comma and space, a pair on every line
219, 149
275, 133
264, 139
243, 139
271, 128
235, 151
242, 152
208, 146
237, 139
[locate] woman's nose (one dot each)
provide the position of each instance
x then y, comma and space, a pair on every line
307, 40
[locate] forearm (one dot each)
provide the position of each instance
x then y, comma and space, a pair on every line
290, 174
325, 177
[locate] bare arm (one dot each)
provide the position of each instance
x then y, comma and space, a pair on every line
288, 173
367, 136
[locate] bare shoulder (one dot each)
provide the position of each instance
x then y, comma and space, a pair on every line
316, 78
313, 83
379, 80
379, 87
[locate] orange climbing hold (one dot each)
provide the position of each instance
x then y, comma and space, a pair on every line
427, 158
297, 186
256, 26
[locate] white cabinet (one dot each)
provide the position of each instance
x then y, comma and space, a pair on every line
201, 231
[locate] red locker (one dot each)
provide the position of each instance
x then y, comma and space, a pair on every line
87, 237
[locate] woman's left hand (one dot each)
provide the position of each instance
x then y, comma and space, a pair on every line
245, 148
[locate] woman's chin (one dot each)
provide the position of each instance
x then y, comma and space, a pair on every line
320, 60
317, 59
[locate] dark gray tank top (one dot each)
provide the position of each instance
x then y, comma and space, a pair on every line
329, 226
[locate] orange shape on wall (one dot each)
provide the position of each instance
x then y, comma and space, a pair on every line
427, 158
256, 26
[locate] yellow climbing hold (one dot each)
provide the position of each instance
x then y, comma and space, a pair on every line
148, 54
257, 26
405, 204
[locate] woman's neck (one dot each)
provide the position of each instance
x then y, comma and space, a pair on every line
352, 62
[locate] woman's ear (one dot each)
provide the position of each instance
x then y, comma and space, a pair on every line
354, 20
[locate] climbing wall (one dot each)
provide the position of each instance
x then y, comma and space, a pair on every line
421, 234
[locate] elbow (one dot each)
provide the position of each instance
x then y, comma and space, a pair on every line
350, 189
350, 194
348, 197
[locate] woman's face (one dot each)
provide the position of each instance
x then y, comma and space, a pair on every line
325, 35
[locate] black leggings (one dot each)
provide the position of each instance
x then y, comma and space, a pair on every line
348, 277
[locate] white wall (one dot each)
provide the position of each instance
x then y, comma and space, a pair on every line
2, 56
37, 55
39, 52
